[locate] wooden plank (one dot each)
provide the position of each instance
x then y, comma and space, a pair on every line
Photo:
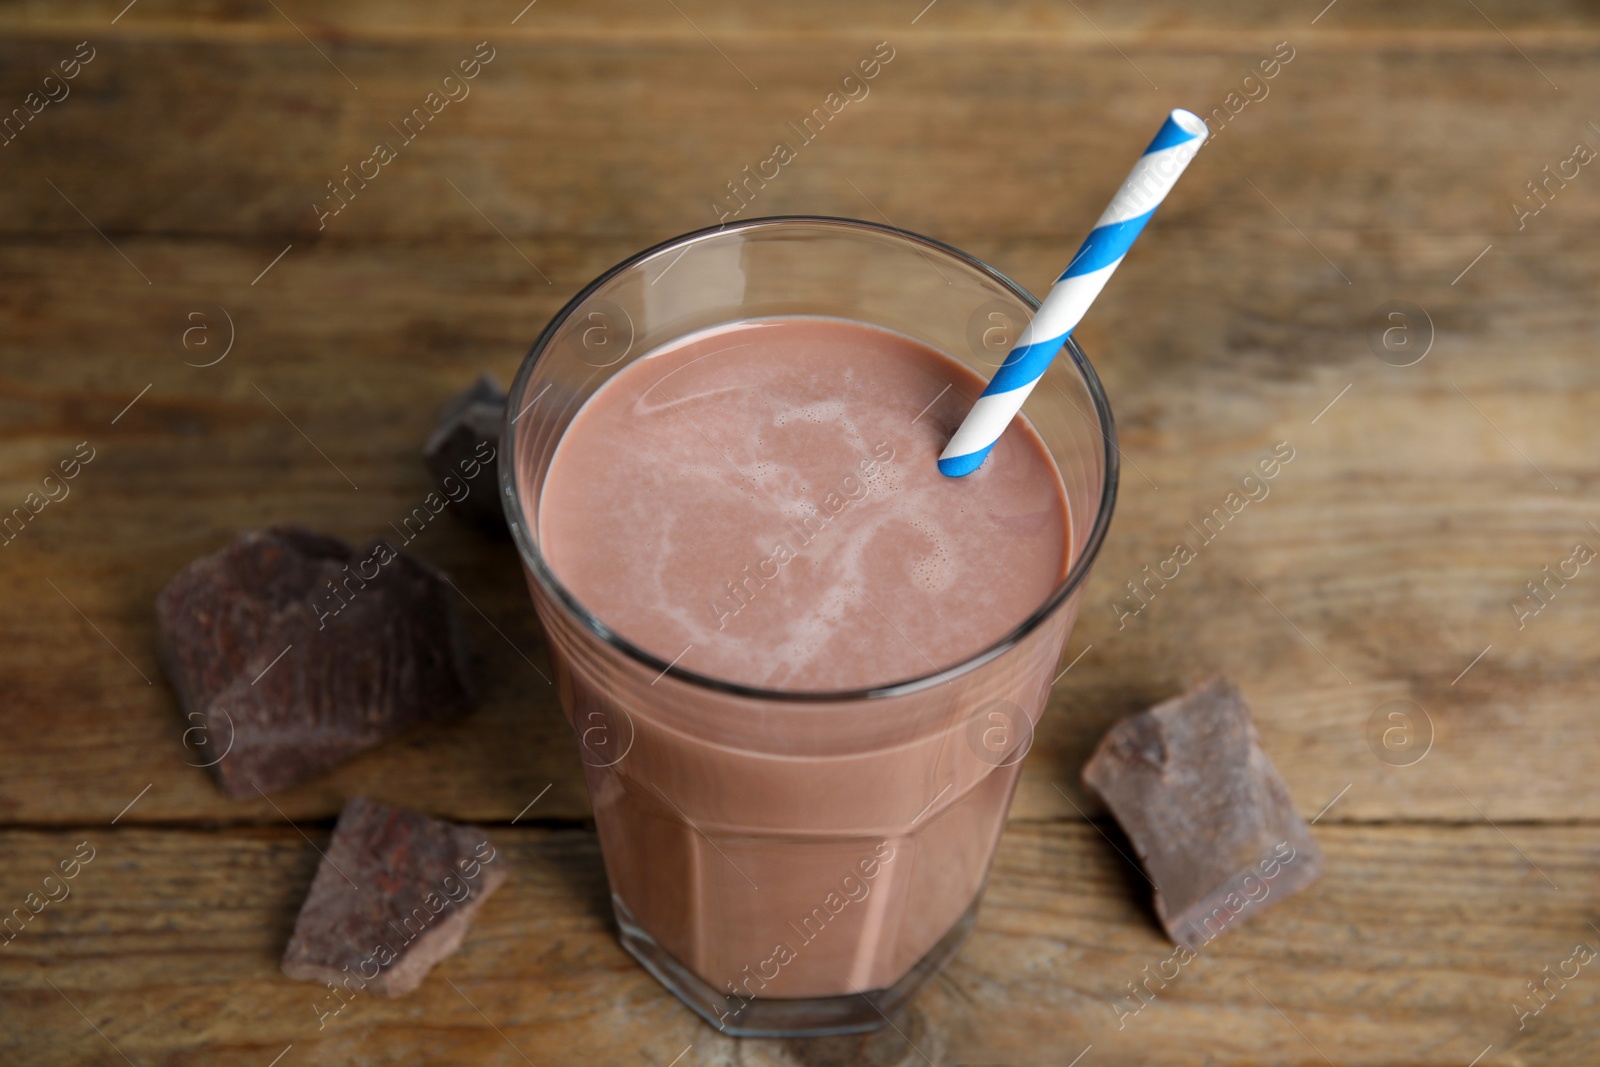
612, 138
1396, 541
569, 21
168, 944
1389, 564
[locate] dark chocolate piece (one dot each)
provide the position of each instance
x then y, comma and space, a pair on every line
291, 652
460, 454
1205, 809
393, 896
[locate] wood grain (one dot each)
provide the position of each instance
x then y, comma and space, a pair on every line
170, 939
569, 137
1379, 541
1440, 27
179, 177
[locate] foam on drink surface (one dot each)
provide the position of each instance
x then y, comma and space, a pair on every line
761, 503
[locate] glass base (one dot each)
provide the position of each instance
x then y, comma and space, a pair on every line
788, 1016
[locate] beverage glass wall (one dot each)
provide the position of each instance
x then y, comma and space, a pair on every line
798, 863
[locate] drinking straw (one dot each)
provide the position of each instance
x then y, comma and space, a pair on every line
1148, 183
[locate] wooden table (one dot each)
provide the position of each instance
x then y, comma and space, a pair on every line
175, 187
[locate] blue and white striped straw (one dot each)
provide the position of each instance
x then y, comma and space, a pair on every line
1147, 185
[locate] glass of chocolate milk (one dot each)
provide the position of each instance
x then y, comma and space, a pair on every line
801, 665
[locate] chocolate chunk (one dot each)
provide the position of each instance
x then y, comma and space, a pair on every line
291, 652
460, 454
1205, 809
393, 895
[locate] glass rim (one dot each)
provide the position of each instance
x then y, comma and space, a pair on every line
528, 549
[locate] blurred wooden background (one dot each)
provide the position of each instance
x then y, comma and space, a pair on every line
177, 176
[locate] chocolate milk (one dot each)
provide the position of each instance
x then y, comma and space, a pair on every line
760, 504
752, 504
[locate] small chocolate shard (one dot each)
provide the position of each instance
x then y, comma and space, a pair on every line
460, 454
393, 895
291, 652
1205, 809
